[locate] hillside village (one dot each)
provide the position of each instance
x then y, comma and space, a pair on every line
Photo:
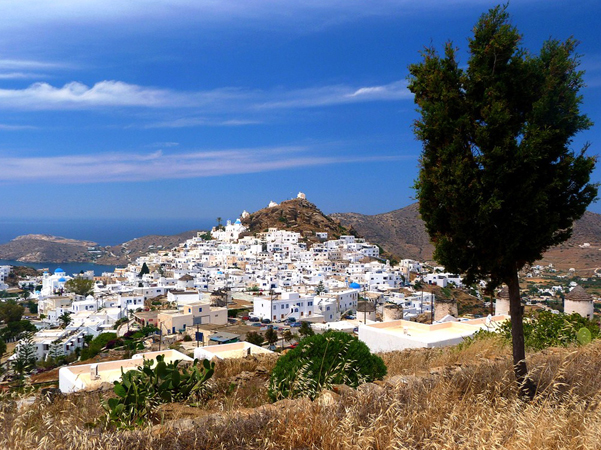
236, 294
220, 287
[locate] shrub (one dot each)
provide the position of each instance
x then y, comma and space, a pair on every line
141, 391
97, 344
546, 329
255, 338
187, 338
321, 361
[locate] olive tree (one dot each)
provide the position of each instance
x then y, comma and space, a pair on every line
499, 183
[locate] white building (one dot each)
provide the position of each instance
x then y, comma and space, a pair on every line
288, 305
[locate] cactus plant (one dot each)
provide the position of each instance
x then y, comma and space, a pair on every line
140, 392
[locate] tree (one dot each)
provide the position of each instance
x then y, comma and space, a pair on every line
320, 288
80, 286
289, 335
32, 306
2, 348
271, 336
26, 355
65, 319
255, 338
144, 270
498, 183
305, 329
10, 311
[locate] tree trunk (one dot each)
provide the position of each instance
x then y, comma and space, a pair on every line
516, 310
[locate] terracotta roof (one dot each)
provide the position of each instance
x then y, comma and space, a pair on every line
578, 294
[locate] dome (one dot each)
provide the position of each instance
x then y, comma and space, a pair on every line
62, 279
355, 286
578, 294
219, 272
59, 270
237, 222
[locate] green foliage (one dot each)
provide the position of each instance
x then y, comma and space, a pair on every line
2, 348
80, 286
498, 182
144, 270
10, 311
550, 330
320, 288
255, 338
14, 329
271, 336
26, 355
321, 361
97, 344
32, 306
305, 329
141, 391
187, 338
64, 319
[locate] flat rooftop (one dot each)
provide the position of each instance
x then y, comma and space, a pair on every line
76, 378
402, 334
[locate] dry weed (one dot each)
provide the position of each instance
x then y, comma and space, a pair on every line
470, 404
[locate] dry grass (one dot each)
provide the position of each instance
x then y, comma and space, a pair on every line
470, 404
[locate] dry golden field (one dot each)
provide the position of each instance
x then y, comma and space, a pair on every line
454, 398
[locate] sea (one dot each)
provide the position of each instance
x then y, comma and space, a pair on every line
102, 231
69, 268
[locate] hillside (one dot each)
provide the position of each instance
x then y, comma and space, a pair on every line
130, 250
298, 215
56, 249
402, 233
46, 248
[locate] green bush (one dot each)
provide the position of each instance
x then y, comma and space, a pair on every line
321, 361
546, 329
141, 391
97, 344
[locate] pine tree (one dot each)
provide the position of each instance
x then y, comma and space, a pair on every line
498, 182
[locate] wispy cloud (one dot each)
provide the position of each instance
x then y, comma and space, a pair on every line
129, 167
9, 127
20, 75
28, 64
337, 94
186, 122
75, 95
40, 96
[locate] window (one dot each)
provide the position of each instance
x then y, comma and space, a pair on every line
310, 303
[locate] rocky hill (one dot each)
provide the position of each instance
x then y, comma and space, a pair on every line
56, 249
402, 233
298, 215
130, 250
46, 248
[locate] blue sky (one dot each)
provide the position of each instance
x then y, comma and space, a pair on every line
196, 109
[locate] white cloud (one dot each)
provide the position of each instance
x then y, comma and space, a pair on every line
75, 95
186, 122
27, 64
9, 127
130, 167
19, 75
338, 94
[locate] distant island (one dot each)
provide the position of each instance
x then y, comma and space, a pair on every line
41, 248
